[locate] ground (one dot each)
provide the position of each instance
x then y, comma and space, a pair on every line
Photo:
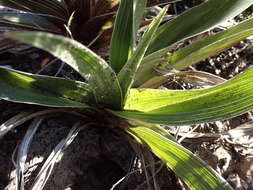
99, 157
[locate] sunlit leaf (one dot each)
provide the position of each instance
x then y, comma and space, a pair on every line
192, 53
139, 8
210, 46
197, 20
33, 89
122, 38
93, 68
127, 74
126, 25
175, 107
23, 152
191, 170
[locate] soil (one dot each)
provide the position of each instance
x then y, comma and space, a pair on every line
99, 157
96, 159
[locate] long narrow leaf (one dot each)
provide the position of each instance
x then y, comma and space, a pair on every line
197, 20
33, 89
13, 122
138, 11
23, 20
174, 107
210, 46
46, 7
127, 74
193, 53
125, 30
47, 168
23, 151
122, 37
94, 69
195, 78
192, 171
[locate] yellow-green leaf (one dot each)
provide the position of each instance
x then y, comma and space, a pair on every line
196, 174
181, 107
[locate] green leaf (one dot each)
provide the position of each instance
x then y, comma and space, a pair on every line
197, 20
147, 68
138, 12
41, 90
210, 46
94, 69
26, 21
191, 54
125, 30
46, 7
173, 107
196, 174
127, 74
122, 37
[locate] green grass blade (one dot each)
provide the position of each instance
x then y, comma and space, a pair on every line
197, 20
210, 46
122, 38
33, 89
173, 107
127, 74
196, 174
95, 70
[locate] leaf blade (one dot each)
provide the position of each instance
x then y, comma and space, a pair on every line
94, 69
126, 25
121, 46
210, 46
173, 107
26, 88
197, 20
47, 7
193, 171
127, 74
30, 21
